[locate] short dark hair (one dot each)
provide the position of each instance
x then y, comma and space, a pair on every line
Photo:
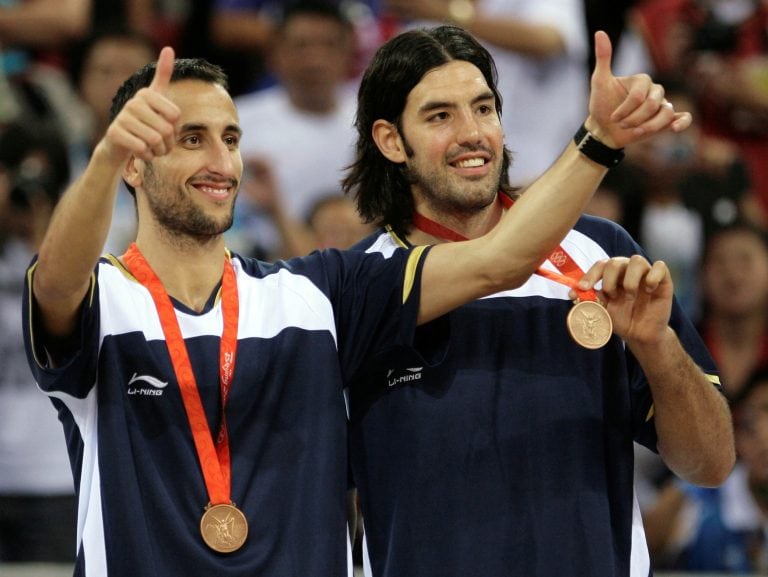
324, 8
740, 225
183, 69
381, 187
82, 50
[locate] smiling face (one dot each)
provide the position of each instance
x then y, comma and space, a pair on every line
735, 274
191, 191
452, 140
312, 58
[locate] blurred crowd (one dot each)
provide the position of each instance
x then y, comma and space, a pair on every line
698, 200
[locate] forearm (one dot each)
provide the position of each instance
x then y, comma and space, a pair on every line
44, 23
534, 40
525, 236
73, 244
693, 421
543, 215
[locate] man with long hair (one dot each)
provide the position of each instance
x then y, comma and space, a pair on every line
501, 441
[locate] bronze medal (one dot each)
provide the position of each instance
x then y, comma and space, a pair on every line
590, 324
224, 528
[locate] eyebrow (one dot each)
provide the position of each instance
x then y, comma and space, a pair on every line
197, 127
435, 104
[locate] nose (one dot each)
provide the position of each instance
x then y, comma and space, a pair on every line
468, 131
224, 160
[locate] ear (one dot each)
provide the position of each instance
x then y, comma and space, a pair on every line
133, 172
388, 141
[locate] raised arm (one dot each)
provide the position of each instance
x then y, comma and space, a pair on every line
622, 110
78, 230
40, 23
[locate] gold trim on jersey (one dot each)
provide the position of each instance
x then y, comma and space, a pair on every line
714, 379
410, 270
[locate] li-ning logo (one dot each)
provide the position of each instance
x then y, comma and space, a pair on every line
156, 384
406, 376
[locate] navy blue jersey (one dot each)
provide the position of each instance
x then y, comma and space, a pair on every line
305, 325
497, 446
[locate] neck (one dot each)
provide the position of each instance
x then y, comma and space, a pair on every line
459, 225
189, 270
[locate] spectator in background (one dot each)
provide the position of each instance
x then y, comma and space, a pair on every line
246, 29
734, 283
34, 38
734, 326
619, 197
722, 529
332, 220
540, 50
37, 503
160, 20
303, 127
335, 222
692, 183
721, 47
31, 24
99, 66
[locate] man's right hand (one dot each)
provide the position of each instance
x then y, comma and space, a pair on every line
626, 109
145, 127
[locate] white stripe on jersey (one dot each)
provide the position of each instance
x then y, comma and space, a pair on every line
582, 249
257, 300
90, 520
639, 559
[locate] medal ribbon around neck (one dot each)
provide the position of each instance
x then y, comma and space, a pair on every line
569, 274
214, 461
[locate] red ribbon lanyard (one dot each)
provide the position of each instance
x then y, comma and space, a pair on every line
569, 275
214, 461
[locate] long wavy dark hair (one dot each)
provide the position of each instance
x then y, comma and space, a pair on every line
379, 186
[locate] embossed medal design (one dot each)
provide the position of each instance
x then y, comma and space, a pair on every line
590, 324
224, 528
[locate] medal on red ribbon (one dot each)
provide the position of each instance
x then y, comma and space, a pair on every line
223, 526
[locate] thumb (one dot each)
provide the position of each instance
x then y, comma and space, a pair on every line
163, 70
603, 54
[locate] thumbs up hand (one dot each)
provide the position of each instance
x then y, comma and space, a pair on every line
627, 109
145, 127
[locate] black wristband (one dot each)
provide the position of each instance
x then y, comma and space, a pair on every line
589, 145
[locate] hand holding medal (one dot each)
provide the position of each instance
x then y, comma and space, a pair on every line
636, 293
589, 324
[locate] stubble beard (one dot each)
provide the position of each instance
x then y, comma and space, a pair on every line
178, 214
449, 194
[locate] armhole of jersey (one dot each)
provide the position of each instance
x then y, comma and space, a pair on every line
31, 312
